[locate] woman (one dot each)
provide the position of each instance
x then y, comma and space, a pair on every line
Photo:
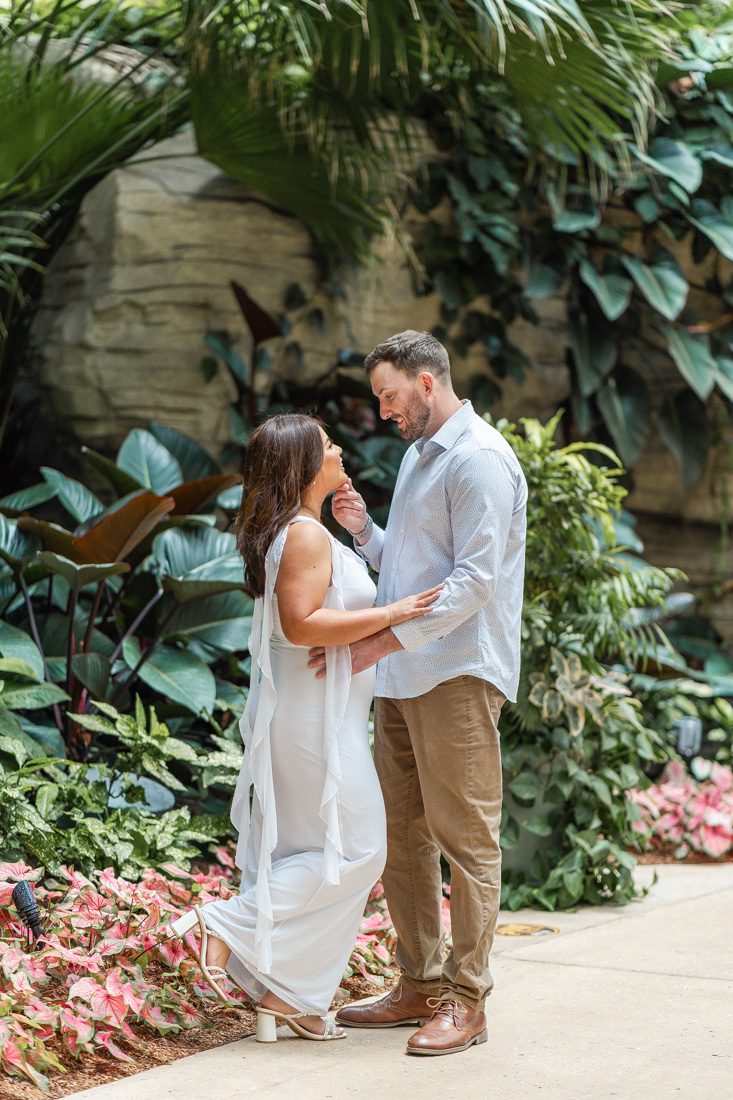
315, 842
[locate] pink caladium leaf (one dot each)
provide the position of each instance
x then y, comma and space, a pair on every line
176, 872
76, 878
173, 951
14, 872
104, 1039
224, 856
77, 1030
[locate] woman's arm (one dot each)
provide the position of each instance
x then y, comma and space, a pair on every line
302, 582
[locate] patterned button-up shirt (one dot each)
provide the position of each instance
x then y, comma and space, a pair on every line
458, 518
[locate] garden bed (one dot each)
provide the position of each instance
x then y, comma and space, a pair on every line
108, 994
225, 1025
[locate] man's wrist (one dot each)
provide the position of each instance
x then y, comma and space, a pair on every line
362, 537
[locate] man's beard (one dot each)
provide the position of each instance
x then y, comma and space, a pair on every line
415, 417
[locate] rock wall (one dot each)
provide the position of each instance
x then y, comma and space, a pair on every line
144, 274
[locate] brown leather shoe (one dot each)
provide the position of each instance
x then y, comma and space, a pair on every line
452, 1027
401, 1005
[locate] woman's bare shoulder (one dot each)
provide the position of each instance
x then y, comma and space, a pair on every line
307, 544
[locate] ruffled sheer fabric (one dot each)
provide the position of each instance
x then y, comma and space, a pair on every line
255, 726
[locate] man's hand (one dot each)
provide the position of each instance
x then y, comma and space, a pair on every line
369, 650
364, 654
317, 661
348, 508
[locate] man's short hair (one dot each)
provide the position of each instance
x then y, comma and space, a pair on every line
412, 352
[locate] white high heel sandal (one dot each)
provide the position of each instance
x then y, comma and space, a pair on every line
184, 924
267, 1019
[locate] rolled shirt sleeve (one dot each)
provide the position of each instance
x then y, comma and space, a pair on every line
482, 496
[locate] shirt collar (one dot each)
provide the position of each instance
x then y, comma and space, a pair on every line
450, 432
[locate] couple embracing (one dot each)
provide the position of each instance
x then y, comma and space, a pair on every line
440, 651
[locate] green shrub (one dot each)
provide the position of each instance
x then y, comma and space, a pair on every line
575, 741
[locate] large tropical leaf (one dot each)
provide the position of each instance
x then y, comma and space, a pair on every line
675, 160
594, 351
192, 496
662, 283
79, 501
195, 463
624, 403
612, 291
198, 563
79, 576
149, 462
221, 621
16, 643
176, 674
694, 359
683, 425
716, 225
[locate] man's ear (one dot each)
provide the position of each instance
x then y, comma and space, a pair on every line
427, 381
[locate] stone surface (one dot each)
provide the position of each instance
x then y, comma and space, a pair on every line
632, 1003
145, 272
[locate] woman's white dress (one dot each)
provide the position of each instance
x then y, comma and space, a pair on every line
314, 842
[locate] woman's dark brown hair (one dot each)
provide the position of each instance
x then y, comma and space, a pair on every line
282, 458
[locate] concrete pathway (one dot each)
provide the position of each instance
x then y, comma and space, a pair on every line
634, 1003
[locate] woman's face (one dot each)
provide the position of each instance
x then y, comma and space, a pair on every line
332, 472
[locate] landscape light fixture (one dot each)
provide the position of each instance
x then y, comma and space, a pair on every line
689, 736
27, 907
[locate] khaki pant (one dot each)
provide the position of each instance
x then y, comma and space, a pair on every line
439, 763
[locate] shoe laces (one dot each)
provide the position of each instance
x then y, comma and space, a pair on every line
443, 1006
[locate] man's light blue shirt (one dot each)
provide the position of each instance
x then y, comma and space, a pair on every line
458, 518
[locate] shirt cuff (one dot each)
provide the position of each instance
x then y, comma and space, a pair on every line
371, 550
410, 635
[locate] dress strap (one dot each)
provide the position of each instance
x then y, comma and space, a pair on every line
310, 519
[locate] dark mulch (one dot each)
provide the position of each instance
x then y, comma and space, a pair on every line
665, 854
227, 1025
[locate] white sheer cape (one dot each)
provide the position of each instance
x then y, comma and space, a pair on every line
254, 726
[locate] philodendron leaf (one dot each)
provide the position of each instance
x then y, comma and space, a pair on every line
191, 497
149, 462
195, 463
31, 696
118, 532
198, 563
16, 643
16, 547
14, 666
625, 406
724, 376
79, 501
675, 160
119, 479
594, 353
716, 225
694, 359
176, 674
93, 671
612, 291
662, 283
15, 503
78, 576
683, 425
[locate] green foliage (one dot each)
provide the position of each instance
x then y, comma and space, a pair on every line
575, 741
55, 811
512, 240
141, 591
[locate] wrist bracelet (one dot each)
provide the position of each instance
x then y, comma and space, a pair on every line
367, 527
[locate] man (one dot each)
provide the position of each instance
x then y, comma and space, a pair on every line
458, 518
